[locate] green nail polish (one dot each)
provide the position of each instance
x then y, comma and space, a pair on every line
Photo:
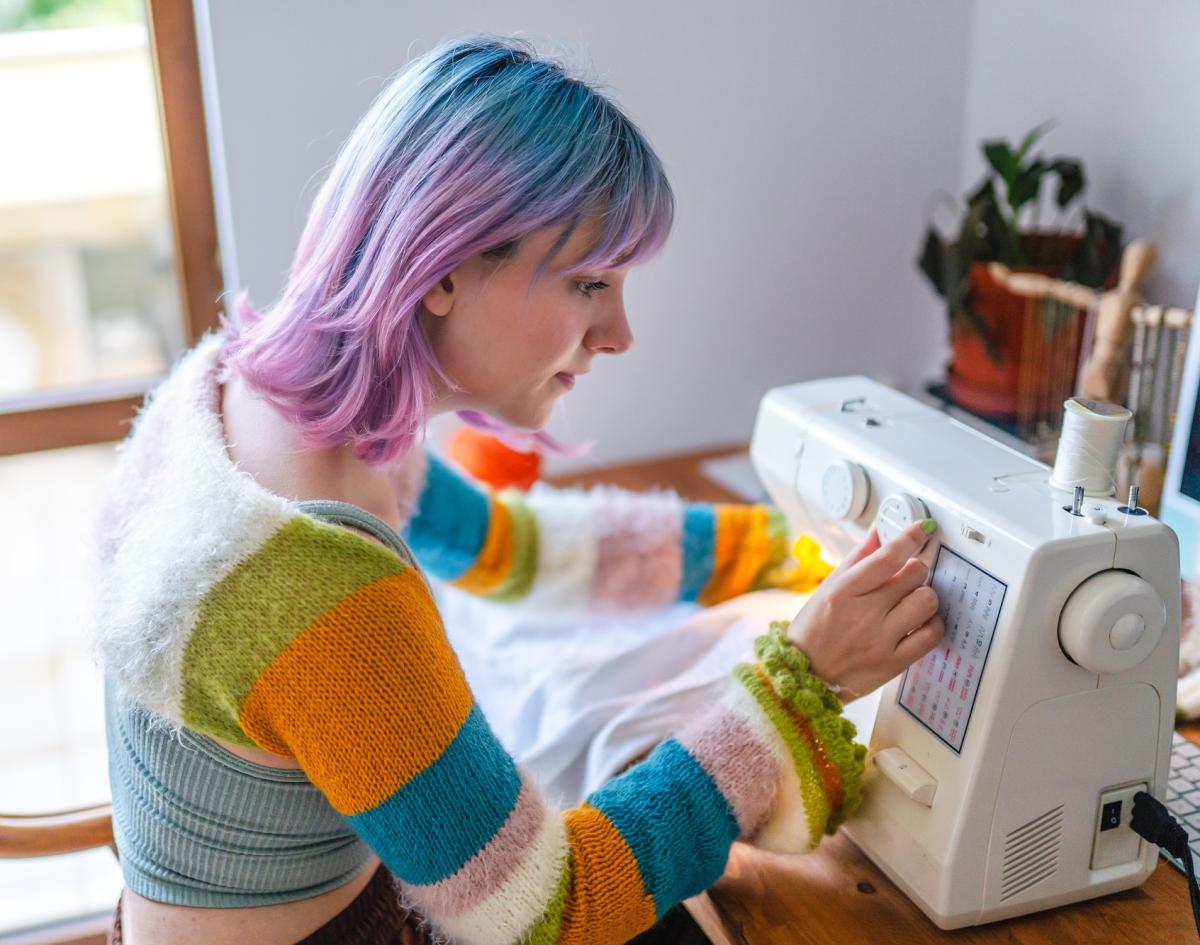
929, 526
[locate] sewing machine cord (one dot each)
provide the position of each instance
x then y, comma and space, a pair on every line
1153, 822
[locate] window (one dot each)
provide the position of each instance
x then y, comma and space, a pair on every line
108, 265
108, 271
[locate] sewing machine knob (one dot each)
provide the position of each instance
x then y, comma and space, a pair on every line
844, 490
1111, 622
896, 513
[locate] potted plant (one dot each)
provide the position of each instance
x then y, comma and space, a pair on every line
986, 320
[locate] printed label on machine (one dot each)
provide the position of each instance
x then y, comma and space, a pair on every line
939, 690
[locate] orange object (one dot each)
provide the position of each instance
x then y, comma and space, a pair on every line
492, 462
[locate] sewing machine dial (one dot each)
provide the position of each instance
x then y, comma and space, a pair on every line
896, 513
844, 490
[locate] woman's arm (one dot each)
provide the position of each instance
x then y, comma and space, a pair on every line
352, 675
605, 547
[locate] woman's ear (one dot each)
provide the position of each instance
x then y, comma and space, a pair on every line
440, 299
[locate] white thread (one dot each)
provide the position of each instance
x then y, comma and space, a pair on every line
1091, 438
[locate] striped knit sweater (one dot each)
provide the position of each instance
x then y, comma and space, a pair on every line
562, 549
224, 609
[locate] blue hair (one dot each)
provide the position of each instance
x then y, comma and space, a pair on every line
472, 147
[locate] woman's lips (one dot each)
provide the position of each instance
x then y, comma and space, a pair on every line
567, 380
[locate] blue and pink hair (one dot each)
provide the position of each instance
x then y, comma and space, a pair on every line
473, 146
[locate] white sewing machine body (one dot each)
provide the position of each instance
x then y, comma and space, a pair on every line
992, 759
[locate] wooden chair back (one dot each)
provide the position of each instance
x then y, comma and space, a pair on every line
68, 831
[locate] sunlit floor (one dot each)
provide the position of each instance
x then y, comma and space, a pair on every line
52, 754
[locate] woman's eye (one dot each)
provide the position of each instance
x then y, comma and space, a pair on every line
587, 288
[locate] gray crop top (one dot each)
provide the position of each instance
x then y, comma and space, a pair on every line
197, 825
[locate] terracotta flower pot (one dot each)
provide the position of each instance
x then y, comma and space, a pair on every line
974, 379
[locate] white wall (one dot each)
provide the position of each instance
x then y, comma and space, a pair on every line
1121, 80
803, 140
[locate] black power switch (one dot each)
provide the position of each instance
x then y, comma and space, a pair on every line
1110, 816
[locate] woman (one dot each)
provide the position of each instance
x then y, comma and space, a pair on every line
294, 751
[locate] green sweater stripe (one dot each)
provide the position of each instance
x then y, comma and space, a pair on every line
264, 603
777, 533
817, 807
547, 929
788, 669
524, 540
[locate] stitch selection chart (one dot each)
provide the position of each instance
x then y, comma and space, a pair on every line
939, 690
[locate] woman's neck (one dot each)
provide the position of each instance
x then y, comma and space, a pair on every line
264, 444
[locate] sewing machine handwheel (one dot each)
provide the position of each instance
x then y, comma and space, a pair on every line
1111, 622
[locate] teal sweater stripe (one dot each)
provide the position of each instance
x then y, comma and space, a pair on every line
429, 828
448, 544
675, 820
699, 540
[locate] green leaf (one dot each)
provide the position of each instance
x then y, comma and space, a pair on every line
999, 241
973, 321
1071, 181
1027, 185
985, 233
1053, 314
984, 193
971, 237
1031, 139
1000, 157
956, 269
932, 261
1098, 252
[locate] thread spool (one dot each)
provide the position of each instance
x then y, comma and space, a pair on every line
1088, 447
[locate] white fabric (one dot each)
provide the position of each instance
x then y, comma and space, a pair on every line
575, 699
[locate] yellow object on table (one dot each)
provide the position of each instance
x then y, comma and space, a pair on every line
807, 571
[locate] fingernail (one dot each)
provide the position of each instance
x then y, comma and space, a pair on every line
929, 526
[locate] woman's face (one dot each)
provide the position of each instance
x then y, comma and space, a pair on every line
514, 350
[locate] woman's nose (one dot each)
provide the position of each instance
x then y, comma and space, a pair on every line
613, 335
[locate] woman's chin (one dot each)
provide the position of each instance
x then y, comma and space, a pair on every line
529, 414
527, 420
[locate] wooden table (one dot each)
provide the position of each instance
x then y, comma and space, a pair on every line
837, 895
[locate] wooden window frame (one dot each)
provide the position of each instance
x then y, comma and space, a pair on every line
99, 413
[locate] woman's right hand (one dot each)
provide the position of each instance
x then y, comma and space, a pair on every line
872, 617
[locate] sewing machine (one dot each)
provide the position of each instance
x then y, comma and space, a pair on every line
1003, 764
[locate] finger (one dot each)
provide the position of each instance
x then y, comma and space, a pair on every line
913, 611
912, 574
927, 636
867, 546
873, 570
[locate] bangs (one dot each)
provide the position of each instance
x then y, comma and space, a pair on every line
634, 230
636, 208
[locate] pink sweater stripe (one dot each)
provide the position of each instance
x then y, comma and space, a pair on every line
639, 556
742, 766
487, 870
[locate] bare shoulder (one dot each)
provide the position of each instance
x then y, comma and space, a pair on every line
258, 440
266, 446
